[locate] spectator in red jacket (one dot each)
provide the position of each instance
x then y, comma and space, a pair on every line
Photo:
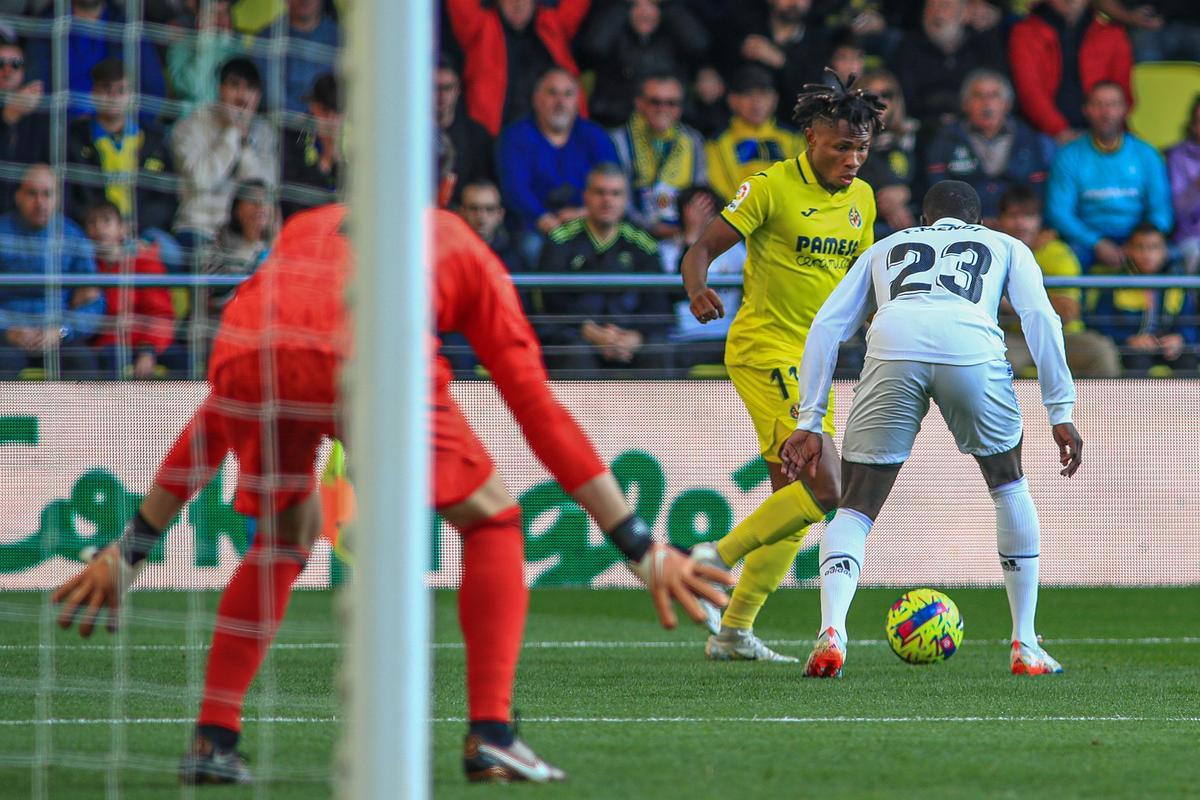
1058, 53
141, 322
513, 32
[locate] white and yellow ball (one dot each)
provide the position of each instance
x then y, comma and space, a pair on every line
924, 627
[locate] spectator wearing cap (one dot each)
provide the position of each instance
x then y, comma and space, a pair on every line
661, 157
194, 61
1105, 184
313, 162
544, 161
474, 148
1183, 167
628, 41
989, 148
37, 238
219, 146
777, 36
753, 141
532, 35
312, 39
127, 155
1058, 54
932, 60
24, 124
892, 167
86, 47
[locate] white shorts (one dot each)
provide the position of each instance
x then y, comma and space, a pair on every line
977, 401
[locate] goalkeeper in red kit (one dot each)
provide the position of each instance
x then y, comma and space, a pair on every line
274, 376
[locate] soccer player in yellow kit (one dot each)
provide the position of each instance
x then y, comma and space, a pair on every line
804, 221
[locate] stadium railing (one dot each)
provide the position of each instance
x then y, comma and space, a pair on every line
673, 359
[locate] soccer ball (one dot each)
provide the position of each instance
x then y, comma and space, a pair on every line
924, 626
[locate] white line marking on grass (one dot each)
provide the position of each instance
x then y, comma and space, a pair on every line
586, 644
609, 720
17, 723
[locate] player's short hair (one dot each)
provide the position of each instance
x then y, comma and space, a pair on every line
606, 169
1021, 197
985, 74
862, 110
243, 68
951, 199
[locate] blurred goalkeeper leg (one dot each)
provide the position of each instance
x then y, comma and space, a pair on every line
251, 608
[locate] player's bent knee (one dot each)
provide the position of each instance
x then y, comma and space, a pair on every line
299, 525
487, 501
1001, 468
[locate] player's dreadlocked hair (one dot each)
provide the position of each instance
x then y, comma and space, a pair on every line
861, 109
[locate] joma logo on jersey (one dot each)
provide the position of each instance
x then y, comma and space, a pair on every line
828, 245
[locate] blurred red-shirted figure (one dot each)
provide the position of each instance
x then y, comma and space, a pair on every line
274, 376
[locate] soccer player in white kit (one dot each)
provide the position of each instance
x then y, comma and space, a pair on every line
934, 291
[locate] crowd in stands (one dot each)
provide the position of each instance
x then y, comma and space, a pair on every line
181, 154
1026, 101
590, 136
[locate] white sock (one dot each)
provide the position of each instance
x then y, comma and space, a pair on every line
1018, 541
842, 550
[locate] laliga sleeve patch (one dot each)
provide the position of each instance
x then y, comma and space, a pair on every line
742, 192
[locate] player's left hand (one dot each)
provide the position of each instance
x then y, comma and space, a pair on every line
1069, 447
671, 574
98, 587
801, 454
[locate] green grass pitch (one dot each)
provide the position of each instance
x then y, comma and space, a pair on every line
630, 710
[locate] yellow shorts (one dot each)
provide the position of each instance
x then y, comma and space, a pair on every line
770, 395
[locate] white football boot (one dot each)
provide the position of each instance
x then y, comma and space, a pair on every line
737, 644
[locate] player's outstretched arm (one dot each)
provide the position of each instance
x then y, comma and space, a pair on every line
718, 237
1070, 447
669, 573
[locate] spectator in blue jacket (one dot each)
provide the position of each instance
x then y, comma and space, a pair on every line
1105, 184
86, 49
1156, 326
29, 326
544, 161
988, 148
312, 38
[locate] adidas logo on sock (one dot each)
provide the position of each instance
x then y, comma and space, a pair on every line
1009, 565
839, 566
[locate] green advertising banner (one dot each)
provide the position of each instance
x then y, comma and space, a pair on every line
75, 458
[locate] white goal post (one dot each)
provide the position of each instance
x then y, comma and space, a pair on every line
388, 64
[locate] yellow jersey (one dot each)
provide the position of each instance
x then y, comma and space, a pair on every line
800, 240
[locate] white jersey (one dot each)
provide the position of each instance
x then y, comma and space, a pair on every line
935, 292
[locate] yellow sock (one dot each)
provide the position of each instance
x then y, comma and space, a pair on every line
764, 570
785, 513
